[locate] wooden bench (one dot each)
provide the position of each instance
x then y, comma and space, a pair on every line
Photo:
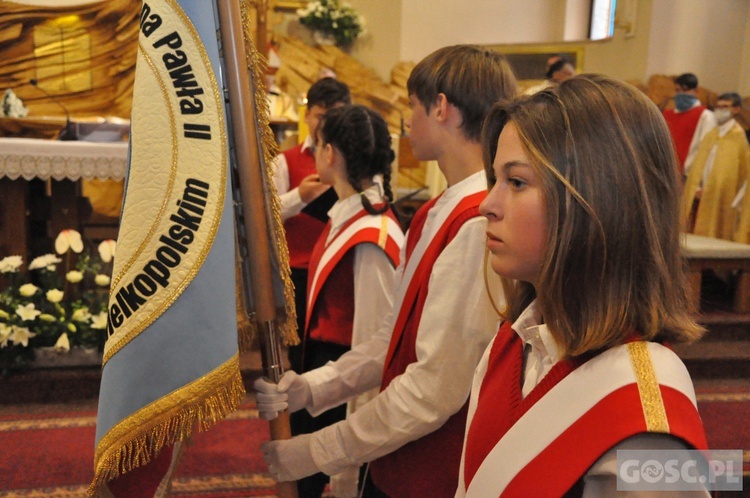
706, 253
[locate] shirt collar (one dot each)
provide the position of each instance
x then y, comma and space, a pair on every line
344, 209
307, 143
472, 183
532, 331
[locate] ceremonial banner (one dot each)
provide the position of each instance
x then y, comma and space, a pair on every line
171, 363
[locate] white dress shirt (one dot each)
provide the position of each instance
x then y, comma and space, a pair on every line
374, 286
291, 202
456, 325
374, 276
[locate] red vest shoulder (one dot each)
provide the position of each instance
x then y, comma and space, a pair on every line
619, 414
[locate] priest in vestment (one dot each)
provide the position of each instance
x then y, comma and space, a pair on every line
743, 226
715, 178
689, 122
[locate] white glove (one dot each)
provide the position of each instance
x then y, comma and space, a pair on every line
292, 393
290, 459
344, 484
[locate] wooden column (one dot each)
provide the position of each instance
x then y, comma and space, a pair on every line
14, 203
64, 206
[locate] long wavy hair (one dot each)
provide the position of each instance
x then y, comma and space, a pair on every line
612, 267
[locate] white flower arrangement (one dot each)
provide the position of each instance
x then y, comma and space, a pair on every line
333, 18
11, 106
53, 309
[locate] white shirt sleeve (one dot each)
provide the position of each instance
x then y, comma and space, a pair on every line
359, 369
456, 325
601, 479
290, 200
706, 123
374, 288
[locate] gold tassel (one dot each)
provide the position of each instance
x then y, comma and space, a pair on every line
286, 319
174, 417
246, 329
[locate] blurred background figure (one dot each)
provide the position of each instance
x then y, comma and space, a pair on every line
689, 121
559, 69
279, 103
718, 173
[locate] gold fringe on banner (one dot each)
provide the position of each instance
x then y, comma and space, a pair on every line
137, 439
286, 321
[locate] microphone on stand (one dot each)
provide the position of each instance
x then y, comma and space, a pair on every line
67, 133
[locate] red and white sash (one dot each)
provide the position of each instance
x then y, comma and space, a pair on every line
418, 264
382, 230
646, 366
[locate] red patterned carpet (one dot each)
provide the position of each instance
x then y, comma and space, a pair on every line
45, 454
51, 455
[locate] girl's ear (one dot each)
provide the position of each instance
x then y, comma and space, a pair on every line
329, 153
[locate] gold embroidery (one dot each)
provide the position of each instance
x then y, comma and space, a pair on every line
648, 388
172, 171
122, 339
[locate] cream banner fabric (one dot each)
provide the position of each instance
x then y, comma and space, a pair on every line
172, 209
171, 363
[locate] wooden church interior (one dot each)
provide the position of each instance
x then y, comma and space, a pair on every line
75, 65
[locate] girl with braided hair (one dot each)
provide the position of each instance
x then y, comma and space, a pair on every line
361, 138
353, 263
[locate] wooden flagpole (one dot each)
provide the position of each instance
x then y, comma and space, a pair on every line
249, 154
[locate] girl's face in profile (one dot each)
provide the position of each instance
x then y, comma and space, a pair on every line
515, 211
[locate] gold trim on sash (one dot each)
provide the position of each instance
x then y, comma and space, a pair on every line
648, 387
383, 237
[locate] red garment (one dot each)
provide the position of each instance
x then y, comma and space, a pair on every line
682, 127
616, 417
428, 466
143, 480
330, 317
301, 230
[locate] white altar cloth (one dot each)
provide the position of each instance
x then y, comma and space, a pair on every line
30, 158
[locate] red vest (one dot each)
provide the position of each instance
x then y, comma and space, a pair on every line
682, 126
301, 230
331, 315
429, 465
616, 417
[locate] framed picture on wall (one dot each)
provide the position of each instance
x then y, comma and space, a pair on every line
529, 62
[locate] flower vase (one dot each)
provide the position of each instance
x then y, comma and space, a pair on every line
324, 39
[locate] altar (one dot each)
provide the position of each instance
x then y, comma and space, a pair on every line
25, 163
706, 253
